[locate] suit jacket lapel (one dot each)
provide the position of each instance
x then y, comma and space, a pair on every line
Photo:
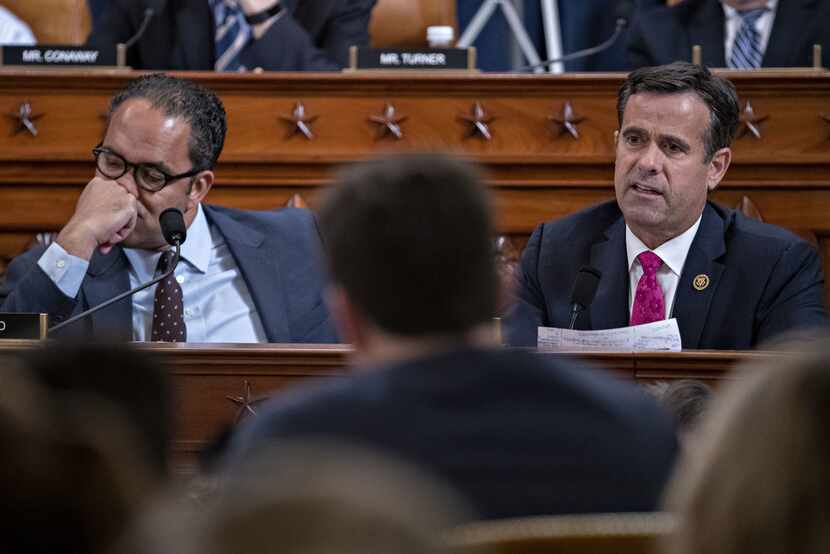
691, 306
706, 28
194, 41
792, 17
610, 307
107, 277
260, 269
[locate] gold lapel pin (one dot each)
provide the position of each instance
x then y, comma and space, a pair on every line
701, 282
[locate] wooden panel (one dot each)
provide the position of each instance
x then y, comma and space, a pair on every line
206, 375
535, 172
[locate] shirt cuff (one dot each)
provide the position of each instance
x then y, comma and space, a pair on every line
64, 269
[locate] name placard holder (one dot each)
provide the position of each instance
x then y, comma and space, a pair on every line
61, 56
23, 326
421, 59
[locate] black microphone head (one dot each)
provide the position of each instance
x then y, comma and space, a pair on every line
172, 226
585, 286
623, 12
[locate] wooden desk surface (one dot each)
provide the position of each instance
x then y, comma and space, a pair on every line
215, 383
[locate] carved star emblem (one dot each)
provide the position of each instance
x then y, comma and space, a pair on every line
567, 120
825, 117
389, 122
25, 119
246, 403
750, 123
296, 201
479, 121
300, 122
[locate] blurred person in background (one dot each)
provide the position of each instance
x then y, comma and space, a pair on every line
237, 35
738, 34
686, 400
757, 479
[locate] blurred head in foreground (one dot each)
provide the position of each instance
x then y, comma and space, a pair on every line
70, 481
686, 400
758, 478
133, 384
309, 498
408, 241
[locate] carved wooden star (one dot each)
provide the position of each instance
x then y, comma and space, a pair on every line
300, 122
296, 201
389, 123
567, 120
825, 117
750, 123
246, 403
479, 122
25, 119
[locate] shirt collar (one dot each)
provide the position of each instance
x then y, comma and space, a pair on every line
673, 252
196, 250
731, 12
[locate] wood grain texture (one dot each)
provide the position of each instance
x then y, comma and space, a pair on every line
205, 375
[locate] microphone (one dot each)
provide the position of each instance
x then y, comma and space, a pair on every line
175, 233
172, 226
624, 9
584, 291
148, 15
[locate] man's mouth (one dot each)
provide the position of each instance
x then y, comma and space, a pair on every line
645, 189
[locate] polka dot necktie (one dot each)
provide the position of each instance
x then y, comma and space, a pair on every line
168, 309
649, 305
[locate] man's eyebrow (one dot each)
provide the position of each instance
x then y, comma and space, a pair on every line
160, 165
683, 143
634, 129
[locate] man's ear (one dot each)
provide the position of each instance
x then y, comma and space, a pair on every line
616, 137
350, 322
199, 187
717, 168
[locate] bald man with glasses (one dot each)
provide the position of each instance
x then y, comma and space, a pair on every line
244, 276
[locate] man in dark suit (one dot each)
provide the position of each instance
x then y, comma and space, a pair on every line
275, 35
414, 291
244, 276
663, 249
785, 32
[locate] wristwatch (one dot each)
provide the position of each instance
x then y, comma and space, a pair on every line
264, 15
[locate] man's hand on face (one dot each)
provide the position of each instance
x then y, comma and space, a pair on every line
104, 216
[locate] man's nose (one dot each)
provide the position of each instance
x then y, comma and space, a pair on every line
651, 159
128, 182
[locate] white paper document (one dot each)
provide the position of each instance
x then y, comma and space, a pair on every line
660, 336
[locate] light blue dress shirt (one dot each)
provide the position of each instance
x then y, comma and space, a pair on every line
217, 303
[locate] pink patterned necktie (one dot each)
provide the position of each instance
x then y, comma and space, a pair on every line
649, 305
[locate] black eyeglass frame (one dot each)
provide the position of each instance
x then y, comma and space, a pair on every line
98, 150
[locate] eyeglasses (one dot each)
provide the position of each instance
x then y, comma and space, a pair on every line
148, 176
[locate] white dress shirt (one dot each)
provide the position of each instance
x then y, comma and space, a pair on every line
673, 253
218, 306
733, 22
13, 31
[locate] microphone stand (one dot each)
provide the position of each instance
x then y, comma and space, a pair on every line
123, 295
621, 23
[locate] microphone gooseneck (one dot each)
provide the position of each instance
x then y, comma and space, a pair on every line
624, 9
148, 15
175, 232
584, 291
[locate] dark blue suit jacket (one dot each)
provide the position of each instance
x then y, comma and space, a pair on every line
313, 35
663, 34
277, 254
516, 433
763, 280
